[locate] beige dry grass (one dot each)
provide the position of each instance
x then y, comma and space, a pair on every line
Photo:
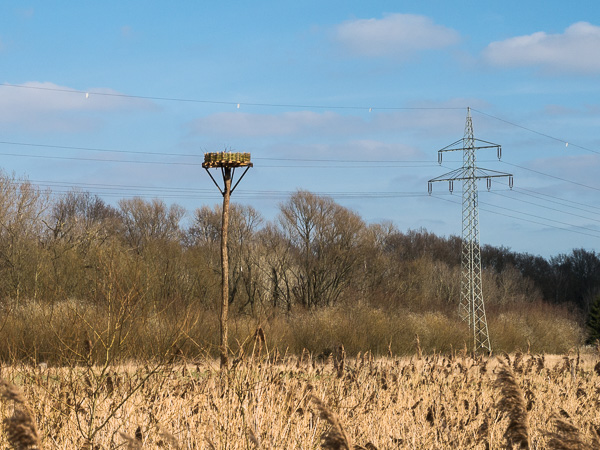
437, 401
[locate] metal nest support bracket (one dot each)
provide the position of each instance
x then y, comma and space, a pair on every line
227, 162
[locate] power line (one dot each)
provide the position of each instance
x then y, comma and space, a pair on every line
75, 158
188, 155
384, 164
388, 163
264, 194
106, 186
104, 150
358, 161
550, 199
292, 105
124, 161
119, 189
526, 220
182, 193
245, 195
221, 102
552, 176
562, 141
194, 193
543, 218
545, 207
553, 199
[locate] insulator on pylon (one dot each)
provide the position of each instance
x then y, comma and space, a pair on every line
510, 181
451, 186
489, 183
430, 187
499, 152
439, 157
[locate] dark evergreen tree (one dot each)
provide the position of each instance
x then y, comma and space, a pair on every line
594, 321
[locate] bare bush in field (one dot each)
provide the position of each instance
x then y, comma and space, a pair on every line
269, 400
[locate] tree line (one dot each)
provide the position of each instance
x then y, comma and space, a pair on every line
314, 254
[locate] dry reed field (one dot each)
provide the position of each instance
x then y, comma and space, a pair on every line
266, 400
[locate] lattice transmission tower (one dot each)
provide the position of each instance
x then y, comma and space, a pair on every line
471, 307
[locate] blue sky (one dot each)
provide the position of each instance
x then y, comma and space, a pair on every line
344, 98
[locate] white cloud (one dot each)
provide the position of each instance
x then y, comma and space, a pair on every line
126, 31
573, 167
375, 150
26, 13
428, 118
285, 124
397, 35
574, 51
49, 107
358, 149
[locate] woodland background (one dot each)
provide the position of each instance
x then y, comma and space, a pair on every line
81, 278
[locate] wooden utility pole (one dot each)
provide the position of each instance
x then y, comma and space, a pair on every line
225, 267
227, 162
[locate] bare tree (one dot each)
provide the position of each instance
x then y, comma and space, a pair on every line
244, 222
22, 206
79, 215
145, 221
326, 240
277, 266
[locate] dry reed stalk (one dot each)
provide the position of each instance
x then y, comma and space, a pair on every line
252, 437
340, 360
305, 356
518, 362
595, 436
170, 440
276, 356
196, 407
513, 405
368, 446
566, 437
418, 347
335, 438
260, 340
21, 430
132, 442
541, 362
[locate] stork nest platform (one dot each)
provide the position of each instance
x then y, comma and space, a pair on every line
226, 159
